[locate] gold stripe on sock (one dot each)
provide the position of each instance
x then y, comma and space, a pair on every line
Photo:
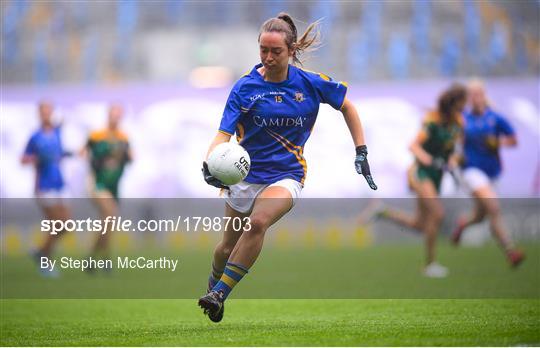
228, 280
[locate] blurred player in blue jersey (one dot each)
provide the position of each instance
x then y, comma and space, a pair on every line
272, 109
485, 132
44, 151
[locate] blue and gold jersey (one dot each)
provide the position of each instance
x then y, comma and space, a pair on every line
481, 141
273, 121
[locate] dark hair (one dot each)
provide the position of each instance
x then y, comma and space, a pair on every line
283, 23
448, 101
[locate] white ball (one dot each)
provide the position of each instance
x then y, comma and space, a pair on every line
229, 163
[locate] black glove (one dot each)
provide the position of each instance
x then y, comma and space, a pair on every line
362, 166
210, 180
456, 176
438, 163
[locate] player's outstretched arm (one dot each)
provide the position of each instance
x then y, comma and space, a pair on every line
29, 156
508, 140
28, 159
210, 180
355, 127
218, 139
129, 155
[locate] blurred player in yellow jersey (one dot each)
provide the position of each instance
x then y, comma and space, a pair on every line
109, 151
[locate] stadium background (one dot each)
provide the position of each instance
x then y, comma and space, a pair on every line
172, 63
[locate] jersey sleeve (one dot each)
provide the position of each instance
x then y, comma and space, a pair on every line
94, 137
329, 91
30, 148
232, 112
504, 127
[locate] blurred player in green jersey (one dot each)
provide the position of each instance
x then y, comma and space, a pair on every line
109, 151
433, 150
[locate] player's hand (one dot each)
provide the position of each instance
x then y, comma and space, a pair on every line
492, 143
210, 180
362, 166
455, 161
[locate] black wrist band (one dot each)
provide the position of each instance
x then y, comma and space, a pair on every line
362, 149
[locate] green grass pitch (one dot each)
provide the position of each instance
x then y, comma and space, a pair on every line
272, 322
374, 296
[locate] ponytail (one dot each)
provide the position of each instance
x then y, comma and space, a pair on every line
448, 101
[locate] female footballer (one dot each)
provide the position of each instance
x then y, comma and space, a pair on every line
433, 150
485, 132
109, 152
272, 109
44, 151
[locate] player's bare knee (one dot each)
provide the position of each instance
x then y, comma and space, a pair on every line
258, 224
492, 208
478, 216
437, 212
418, 225
223, 250
226, 251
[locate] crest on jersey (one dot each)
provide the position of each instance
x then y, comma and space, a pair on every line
299, 97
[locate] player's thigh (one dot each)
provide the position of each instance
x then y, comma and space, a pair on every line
422, 209
105, 202
479, 208
56, 211
271, 204
50, 212
486, 199
426, 189
421, 203
64, 211
412, 178
485, 192
427, 193
233, 230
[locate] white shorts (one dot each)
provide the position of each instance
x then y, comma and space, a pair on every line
241, 196
49, 198
475, 179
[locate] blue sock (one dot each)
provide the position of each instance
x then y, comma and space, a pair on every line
231, 276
